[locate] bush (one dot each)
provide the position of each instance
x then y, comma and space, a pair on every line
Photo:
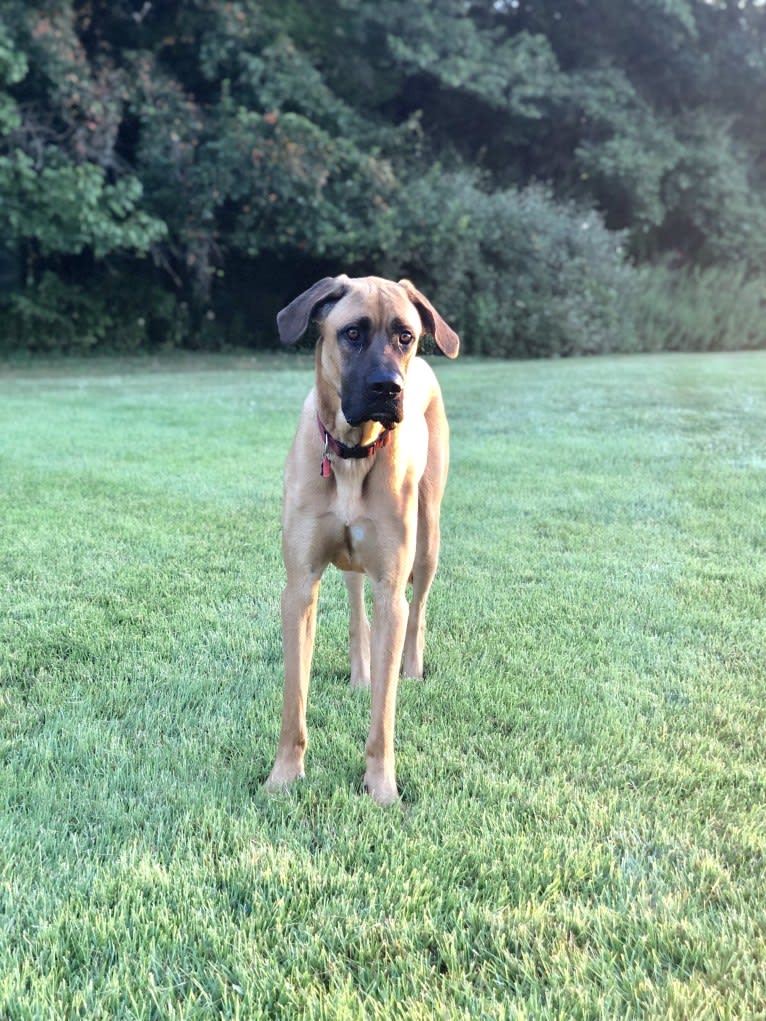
519, 274
115, 314
715, 309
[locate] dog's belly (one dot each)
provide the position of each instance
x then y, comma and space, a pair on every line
352, 545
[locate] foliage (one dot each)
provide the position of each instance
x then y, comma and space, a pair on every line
114, 312
220, 156
67, 208
523, 274
718, 308
66, 198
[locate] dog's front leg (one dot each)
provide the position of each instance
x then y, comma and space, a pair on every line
388, 628
299, 605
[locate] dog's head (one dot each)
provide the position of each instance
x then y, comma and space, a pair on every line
369, 332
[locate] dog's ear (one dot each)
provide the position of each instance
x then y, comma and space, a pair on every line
294, 319
446, 339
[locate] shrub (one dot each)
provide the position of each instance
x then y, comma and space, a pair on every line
520, 274
714, 309
113, 313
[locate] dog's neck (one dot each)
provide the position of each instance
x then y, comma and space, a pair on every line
334, 421
334, 449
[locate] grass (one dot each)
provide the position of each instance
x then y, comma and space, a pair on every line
583, 823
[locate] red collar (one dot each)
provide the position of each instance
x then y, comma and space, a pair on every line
360, 450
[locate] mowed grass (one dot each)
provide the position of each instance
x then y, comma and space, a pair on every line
582, 831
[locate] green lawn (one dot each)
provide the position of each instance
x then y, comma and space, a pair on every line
582, 831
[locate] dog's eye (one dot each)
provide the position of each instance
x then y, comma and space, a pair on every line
405, 337
352, 333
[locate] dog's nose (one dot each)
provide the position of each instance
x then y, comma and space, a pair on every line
386, 383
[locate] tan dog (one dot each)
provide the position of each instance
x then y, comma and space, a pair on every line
363, 486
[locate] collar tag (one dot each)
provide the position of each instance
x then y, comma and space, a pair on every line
325, 470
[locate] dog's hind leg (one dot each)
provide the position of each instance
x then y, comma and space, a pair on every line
358, 631
430, 492
389, 618
423, 571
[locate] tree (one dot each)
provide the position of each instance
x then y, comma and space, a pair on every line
173, 172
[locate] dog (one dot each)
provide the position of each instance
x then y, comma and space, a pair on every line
363, 487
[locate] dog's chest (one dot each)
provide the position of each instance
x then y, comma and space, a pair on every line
350, 489
352, 530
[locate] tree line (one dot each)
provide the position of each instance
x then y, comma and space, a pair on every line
560, 176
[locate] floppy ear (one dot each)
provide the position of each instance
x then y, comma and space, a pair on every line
446, 339
294, 319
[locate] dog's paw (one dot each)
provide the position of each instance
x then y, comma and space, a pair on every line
283, 775
412, 667
381, 786
412, 660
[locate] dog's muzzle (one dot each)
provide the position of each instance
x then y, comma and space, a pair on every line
382, 400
